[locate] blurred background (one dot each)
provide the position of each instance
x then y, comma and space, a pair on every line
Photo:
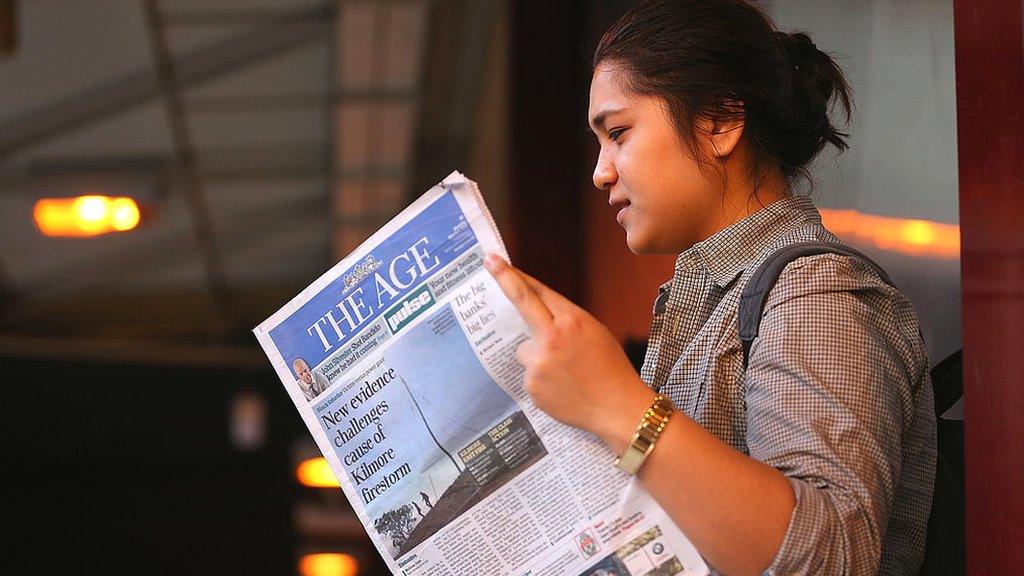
171, 172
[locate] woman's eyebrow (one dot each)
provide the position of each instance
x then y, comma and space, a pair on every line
597, 122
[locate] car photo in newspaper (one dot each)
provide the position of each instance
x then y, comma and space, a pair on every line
401, 361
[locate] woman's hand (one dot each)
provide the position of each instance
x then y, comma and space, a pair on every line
575, 369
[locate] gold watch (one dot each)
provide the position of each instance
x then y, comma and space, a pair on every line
651, 426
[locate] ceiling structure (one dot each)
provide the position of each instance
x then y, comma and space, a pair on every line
263, 139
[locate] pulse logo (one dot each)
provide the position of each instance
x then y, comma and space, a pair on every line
412, 306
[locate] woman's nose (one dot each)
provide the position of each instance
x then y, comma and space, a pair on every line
604, 172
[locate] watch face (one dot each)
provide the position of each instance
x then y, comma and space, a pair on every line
631, 460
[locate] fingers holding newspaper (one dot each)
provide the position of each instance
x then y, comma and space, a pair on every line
575, 370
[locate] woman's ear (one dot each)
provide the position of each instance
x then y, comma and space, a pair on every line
722, 135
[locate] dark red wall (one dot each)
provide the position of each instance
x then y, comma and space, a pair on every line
990, 122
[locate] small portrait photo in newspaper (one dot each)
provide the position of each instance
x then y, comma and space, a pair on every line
312, 383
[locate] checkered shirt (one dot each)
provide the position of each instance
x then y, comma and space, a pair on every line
836, 395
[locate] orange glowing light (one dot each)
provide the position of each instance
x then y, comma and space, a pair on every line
328, 564
124, 214
912, 237
85, 215
316, 473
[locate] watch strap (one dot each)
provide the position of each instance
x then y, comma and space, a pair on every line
653, 423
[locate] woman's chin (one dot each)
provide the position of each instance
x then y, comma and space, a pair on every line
636, 243
641, 244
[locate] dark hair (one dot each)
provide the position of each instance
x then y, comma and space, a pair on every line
724, 60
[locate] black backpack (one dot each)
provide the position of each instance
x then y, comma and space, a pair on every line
945, 549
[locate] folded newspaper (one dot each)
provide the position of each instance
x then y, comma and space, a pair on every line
401, 361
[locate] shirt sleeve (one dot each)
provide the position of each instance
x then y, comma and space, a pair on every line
828, 392
321, 383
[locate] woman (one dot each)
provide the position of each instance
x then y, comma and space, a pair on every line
818, 455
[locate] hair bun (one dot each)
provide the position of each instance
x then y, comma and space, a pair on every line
799, 46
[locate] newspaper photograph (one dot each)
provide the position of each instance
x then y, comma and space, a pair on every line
401, 361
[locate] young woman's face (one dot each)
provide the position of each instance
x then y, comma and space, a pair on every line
664, 201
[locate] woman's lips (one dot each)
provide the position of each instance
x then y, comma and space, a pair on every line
623, 208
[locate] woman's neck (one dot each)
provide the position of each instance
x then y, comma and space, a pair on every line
743, 195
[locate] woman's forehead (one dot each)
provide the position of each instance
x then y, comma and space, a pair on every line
610, 76
608, 90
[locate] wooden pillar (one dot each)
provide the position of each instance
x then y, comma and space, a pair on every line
990, 122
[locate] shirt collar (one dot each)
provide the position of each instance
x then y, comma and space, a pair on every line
730, 251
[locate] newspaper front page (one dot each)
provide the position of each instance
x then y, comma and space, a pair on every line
401, 361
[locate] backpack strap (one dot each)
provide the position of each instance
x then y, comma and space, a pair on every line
761, 282
948, 381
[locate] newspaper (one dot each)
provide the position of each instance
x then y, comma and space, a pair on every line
401, 361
